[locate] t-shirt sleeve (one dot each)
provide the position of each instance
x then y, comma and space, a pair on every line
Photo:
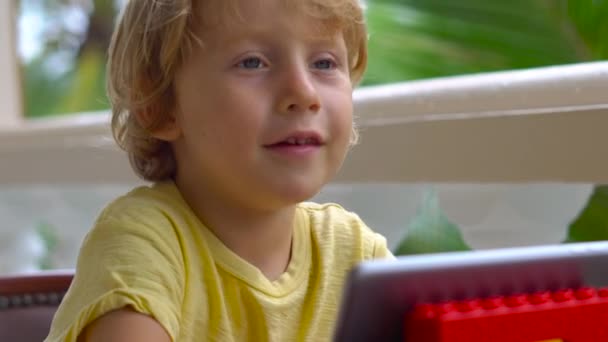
133, 259
381, 250
374, 245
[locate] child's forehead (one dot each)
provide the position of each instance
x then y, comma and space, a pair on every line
317, 17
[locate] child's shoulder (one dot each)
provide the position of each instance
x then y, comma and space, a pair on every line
335, 228
331, 219
155, 210
329, 210
147, 218
144, 200
332, 216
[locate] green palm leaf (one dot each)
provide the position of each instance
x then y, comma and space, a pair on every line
411, 39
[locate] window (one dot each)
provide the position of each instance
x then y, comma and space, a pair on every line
62, 48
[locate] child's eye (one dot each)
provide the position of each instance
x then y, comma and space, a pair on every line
324, 64
251, 63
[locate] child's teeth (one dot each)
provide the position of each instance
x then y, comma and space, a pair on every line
300, 141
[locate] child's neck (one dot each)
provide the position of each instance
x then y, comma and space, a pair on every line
261, 238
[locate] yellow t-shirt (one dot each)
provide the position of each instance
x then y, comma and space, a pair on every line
149, 251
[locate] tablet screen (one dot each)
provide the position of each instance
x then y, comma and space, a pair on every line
379, 294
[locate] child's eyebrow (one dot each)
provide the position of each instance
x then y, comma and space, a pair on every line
332, 42
231, 35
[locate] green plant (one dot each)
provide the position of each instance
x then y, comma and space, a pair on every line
592, 223
431, 231
48, 234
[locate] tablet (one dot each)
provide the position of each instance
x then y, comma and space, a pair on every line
378, 294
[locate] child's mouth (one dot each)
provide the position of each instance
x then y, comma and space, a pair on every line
297, 146
298, 138
297, 142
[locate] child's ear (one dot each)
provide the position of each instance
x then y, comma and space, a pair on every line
163, 128
168, 131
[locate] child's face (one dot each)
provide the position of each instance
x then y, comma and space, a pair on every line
247, 98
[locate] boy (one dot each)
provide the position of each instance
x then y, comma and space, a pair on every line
237, 110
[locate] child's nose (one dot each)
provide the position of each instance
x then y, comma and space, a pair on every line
299, 93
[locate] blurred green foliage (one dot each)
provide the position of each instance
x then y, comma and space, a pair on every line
413, 39
67, 73
48, 234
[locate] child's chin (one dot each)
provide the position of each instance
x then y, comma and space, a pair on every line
292, 190
301, 194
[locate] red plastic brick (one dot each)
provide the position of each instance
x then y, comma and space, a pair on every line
573, 315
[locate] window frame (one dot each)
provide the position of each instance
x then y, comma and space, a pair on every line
11, 113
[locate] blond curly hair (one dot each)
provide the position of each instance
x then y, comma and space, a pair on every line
151, 40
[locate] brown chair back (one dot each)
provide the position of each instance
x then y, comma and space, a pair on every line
28, 303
